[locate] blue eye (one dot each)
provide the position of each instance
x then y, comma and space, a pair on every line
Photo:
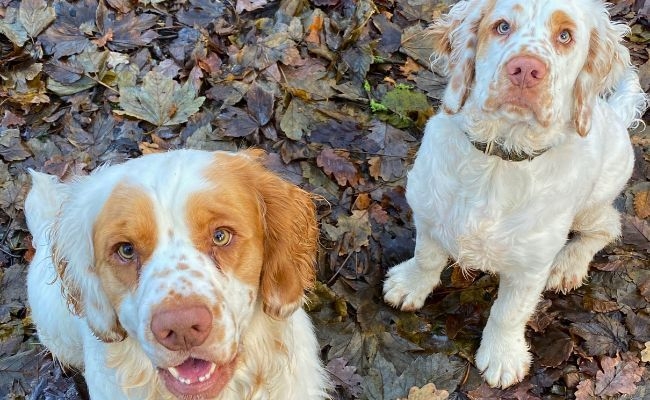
564, 37
503, 28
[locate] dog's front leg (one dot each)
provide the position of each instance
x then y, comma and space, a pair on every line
408, 284
503, 355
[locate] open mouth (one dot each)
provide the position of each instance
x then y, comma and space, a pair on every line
196, 377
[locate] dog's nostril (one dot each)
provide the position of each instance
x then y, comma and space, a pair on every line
182, 328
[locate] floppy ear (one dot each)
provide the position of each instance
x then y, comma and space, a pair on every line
73, 258
455, 36
290, 244
604, 67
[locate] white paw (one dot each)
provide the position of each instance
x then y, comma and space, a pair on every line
503, 359
570, 269
407, 286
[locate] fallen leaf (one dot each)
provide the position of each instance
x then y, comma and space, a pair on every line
604, 335
160, 100
11, 27
426, 392
125, 31
337, 163
35, 15
645, 353
249, 5
617, 377
642, 204
345, 376
353, 232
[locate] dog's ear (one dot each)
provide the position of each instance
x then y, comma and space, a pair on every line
604, 67
70, 239
455, 36
290, 244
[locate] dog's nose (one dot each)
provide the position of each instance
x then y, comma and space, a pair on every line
181, 328
525, 71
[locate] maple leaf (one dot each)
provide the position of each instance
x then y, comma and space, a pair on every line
35, 15
352, 231
339, 165
126, 31
603, 336
11, 27
345, 376
160, 100
67, 35
617, 376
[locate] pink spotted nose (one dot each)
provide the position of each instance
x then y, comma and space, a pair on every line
525, 71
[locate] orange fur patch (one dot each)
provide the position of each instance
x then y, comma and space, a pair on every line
126, 217
559, 22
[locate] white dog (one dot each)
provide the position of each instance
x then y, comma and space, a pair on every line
531, 145
177, 275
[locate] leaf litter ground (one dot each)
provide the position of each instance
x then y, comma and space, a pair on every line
337, 91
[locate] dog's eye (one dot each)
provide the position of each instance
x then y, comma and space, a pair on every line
564, 37
221, 237
126, 251
503, 28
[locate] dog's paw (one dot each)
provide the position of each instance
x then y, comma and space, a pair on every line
570, 269
407, 286
503, 360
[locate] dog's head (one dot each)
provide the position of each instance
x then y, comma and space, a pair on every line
532, 61
180, 251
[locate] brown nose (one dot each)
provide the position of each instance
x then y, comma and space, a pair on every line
181, 328
525, 71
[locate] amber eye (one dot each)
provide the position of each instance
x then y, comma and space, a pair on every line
126, 251
221, 237
564, 37
503, 28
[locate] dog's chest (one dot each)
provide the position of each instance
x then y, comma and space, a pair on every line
488, 214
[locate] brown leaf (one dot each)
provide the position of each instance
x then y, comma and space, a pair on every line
642, 204
604, 335
125, 31
260, 101
553, 347
585, 390
427, 392
378, 214
345, 376
617, 377
338, 164
636, 231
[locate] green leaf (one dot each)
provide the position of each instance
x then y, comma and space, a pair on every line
160, 100
35, 15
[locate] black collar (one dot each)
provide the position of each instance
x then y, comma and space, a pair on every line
495, 149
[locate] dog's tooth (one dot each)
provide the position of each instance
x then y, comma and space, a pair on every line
174, 373
209, 374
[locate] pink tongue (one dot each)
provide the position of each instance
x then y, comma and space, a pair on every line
193, 368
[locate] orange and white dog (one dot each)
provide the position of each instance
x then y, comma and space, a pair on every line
531, 145
177, 275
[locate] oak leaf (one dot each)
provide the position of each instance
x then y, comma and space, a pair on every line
642, 204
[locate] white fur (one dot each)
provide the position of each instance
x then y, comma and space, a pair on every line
279, 359
514, 218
